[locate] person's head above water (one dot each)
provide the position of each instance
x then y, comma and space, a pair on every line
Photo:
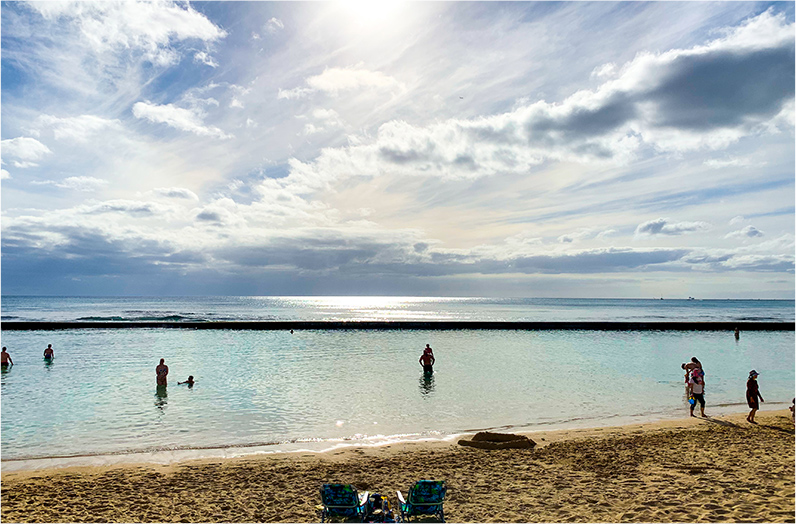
49, 345
162, 360
696, 361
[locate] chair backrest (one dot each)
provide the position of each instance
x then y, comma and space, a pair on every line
339, 496
426, 492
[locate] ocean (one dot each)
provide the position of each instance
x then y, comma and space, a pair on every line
265, 391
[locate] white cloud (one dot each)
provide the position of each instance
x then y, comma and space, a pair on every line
605, 70
334, 80
178, 118
662, 226
135, 208
577, 236
4, 175
76, 183
668, 102
746, 232
148, 26
274, 25
25, 151
523, 239
325, 120
203, 58
736, 220
604, 234
291, 94
251, 123
715, 163
175, 192
79, 129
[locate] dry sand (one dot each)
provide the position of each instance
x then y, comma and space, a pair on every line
691, 470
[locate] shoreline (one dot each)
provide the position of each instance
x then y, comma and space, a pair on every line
279, 325
164, 457
684, 470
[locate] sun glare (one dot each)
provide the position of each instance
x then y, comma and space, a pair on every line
369, 12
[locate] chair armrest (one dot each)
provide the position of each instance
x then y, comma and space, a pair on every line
401, 497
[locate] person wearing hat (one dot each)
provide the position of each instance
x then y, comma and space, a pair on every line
752, 394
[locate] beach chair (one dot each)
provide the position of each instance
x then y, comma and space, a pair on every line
424, 498
342, 501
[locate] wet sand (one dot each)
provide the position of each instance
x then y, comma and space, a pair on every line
689, 470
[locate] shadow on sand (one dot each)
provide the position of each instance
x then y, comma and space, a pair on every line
721, 422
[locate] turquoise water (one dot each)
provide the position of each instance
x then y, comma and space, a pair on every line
261, 387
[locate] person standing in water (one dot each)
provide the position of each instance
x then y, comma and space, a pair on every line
427, 360
49, 353
162, 371
5, 358
752, 394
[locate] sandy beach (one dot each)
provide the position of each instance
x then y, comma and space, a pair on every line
689, 470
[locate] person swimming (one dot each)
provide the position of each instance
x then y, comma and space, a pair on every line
190, 381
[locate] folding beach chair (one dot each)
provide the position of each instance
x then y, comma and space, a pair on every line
342, 501
424, 498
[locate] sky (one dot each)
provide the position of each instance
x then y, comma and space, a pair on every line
518, 149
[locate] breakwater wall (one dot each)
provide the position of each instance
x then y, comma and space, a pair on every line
438, 325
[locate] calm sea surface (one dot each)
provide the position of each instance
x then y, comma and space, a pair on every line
175, 309
260, 388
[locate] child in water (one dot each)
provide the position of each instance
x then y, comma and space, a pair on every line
189, 381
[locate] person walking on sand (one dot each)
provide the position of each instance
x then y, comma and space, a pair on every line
427, 360
752, 394
5, 358
162, 371
49, 353
696, 389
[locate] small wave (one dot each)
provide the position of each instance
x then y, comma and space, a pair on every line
154, 449
167, 318
359, 439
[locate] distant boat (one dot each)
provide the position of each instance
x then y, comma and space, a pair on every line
691, 298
